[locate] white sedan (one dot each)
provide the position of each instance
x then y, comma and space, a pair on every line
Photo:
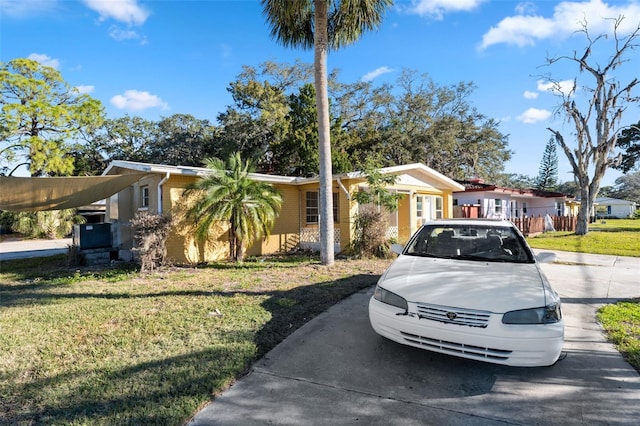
470, 288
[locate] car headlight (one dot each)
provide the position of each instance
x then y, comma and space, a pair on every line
390, 298
547, 315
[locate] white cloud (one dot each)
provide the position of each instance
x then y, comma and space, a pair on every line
26, 9
525, 29
564, 87
533, 115
530, 95
120, 34
135, 100
127, 11
85, 89
376, 73
437, 8
526, 8
45, 60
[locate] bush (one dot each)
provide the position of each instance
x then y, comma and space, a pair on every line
150, 233
43, 224
370, 238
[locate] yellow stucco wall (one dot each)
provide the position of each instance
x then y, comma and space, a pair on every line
285, 233
182, 247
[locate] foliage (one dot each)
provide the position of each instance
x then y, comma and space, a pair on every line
125, 138
595, 112
547, 178
513, 180
569, 188
627, 187
181, 139
44, 224
229, 194
370, 226
629, 142
377, 192
621, 322
417, 120
111, 347
41, 114
150, 234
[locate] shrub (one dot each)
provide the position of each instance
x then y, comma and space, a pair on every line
150, 233
370, 238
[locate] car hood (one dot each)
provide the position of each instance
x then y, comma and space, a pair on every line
490, 286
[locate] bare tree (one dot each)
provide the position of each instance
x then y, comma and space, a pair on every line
597, 120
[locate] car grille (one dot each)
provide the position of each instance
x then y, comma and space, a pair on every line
458, 316
454, 348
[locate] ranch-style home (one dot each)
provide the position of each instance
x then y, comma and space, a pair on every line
480, 199
424, 194
609, 208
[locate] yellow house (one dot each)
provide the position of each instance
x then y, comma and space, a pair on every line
424, 194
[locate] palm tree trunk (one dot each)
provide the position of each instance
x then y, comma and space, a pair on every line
321, 43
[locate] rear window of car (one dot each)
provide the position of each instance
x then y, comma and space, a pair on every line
482, 243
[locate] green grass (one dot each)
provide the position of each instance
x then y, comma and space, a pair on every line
622, 324
618, 237
105, 347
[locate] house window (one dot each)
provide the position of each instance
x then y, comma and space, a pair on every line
513, 209
498, 206
524, 208
144, 196
313, 207
428, 207
439, 211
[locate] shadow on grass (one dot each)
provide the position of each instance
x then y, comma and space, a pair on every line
164, 390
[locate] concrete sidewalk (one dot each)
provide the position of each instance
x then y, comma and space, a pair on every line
336, 370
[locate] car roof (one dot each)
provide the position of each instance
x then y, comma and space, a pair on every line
473, 222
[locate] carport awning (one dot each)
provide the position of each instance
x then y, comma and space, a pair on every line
58, 193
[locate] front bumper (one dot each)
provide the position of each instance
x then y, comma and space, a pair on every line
515, 345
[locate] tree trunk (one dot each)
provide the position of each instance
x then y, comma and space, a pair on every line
321, 44
582, 224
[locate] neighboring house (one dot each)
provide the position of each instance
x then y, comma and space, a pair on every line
489, 201
425, 194
606, 207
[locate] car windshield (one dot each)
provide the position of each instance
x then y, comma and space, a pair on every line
470, 242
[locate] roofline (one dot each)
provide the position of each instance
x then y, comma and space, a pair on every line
187, 171
295, 180
484, 187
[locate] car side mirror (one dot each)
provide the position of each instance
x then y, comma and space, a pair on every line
397, 248
546, 257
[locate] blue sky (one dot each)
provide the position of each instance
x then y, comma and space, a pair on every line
156, 58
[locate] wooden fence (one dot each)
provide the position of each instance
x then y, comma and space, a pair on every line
535, 225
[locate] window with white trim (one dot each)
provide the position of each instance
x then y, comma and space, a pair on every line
144, 196
312, 207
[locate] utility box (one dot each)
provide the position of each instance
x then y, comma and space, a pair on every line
92, 235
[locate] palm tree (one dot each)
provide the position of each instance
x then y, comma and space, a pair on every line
230, 195
324, 25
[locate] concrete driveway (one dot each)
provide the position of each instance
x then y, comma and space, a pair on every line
336, 371
22, 249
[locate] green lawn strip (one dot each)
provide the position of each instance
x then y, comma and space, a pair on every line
113, 347
617, 237
621, 322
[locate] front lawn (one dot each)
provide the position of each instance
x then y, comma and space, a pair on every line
618, 237
108, 347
